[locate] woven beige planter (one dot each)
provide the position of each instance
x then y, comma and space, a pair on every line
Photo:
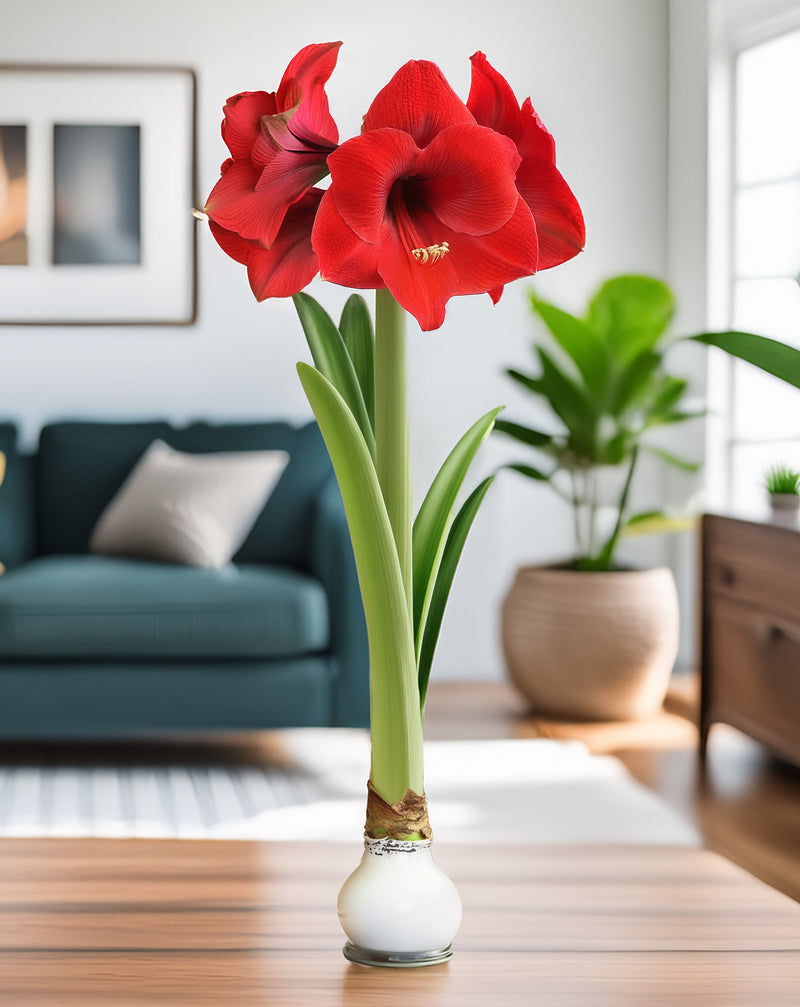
591, 646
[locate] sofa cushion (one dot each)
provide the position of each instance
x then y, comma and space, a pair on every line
82, 465
99, 607
282, 532
187, 508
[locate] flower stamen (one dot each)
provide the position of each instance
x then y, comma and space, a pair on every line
431, 254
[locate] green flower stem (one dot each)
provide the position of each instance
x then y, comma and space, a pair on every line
391, 427
395, 719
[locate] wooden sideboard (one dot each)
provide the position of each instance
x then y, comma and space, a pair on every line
750, 665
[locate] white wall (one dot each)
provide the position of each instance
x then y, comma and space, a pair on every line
597, 72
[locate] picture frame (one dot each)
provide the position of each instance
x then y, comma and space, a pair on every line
97, 186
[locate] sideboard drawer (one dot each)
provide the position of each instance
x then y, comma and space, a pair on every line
755, 564
755, 674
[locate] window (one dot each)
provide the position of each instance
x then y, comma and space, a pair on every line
762, 422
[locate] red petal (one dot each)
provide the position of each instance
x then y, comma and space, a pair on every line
232, 244
241, 125
343, 257
486, 263
491, 99
467, 175
559, 221
536, 141
311, 68
363, 171
422, 290
290, 264
419, 101
235, 205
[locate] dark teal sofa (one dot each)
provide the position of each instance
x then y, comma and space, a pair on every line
96, 646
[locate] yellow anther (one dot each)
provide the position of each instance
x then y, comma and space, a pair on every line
431, 254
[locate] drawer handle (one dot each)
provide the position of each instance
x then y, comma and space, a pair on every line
778, 634
727, 576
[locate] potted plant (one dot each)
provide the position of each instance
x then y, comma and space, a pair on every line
435, 197
783, 486
587, 639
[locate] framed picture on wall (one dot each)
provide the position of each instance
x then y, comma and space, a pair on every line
97, 183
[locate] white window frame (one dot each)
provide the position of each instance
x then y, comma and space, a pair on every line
734, 27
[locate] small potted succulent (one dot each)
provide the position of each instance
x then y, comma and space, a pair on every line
783, 486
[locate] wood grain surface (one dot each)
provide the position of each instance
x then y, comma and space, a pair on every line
134, 922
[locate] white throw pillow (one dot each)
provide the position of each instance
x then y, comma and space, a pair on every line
188, 508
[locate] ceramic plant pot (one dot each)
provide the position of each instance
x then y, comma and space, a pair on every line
785, 508
591, 646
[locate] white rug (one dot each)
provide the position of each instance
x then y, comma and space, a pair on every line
535, 790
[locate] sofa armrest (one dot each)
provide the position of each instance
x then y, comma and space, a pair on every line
331, 560
17, 502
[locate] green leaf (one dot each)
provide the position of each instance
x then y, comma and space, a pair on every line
671, 459
582, 345
431, 523
570, 404
676, 416
528, 381
656, 522
635, 381
526, 435
615, 450
770, 355
333, 361
529, 471
668, 396
631, 313
394, 690
444, 580
357, 333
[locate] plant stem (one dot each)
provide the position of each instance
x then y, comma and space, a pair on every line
396, 722
606, 557
576, 515
391, 426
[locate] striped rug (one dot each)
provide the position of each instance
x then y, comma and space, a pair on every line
294, 785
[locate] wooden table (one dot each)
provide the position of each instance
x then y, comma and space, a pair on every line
133, 922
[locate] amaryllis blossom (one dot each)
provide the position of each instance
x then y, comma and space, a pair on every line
424, 202
559, 221
279, 143
435, 197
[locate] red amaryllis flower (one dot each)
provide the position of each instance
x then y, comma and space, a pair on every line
424, 202
290, 263
278, 142
559, 221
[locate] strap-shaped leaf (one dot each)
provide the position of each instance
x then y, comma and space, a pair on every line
433, 518
333, 361
394, 692
581, 343
526, 435
357, 333
444, 581
770, 355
